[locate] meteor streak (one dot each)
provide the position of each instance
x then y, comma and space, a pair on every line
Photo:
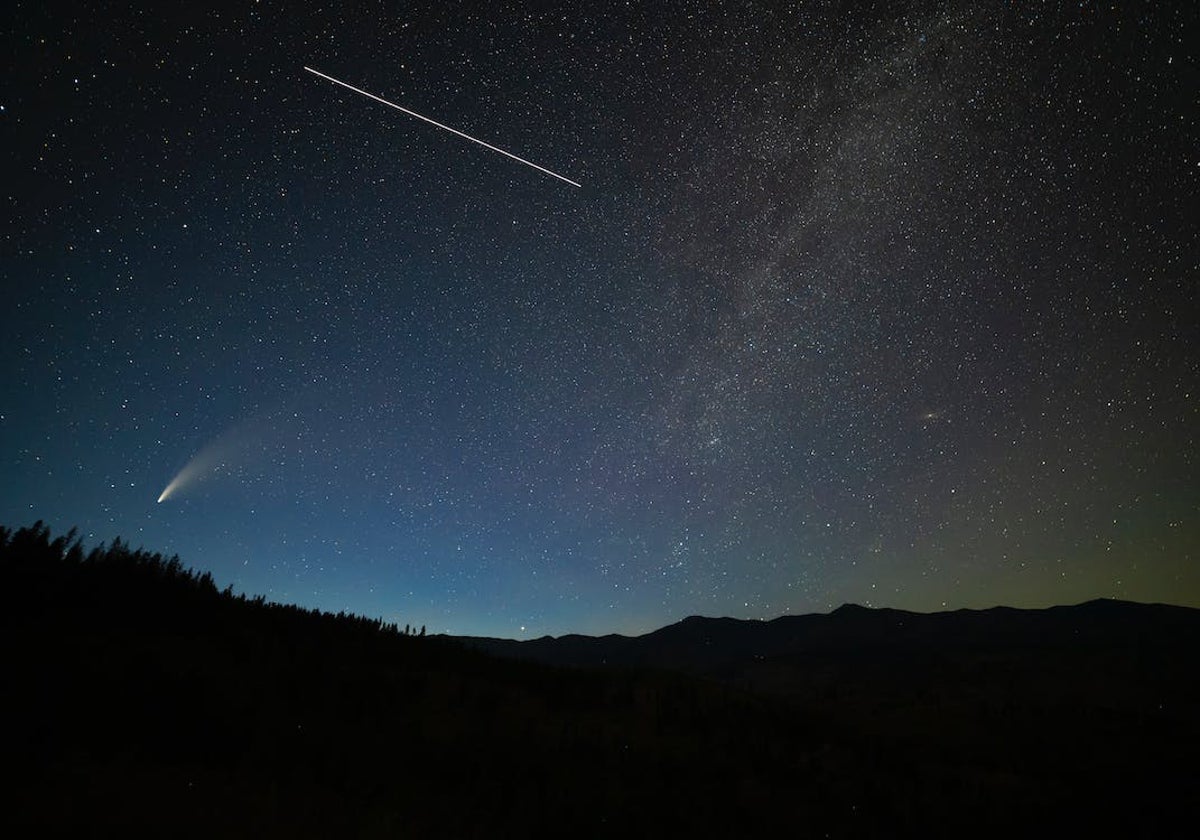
444, 127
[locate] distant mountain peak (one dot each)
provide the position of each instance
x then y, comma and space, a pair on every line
851, 609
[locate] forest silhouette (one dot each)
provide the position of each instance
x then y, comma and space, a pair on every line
142, 698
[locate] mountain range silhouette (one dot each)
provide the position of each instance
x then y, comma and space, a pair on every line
142, 700
786, 653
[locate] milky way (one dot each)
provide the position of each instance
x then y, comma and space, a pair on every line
885, 305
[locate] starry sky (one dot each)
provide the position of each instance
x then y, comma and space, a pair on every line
886, 303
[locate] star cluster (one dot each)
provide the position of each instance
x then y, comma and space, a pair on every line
893, 305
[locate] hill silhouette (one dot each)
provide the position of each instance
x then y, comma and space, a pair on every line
1145, 643
143, 699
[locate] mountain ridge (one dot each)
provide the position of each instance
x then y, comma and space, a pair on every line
849, 607
209, 714
733, 649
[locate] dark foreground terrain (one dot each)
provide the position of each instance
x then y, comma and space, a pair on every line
142, 700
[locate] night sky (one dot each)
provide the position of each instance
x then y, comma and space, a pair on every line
883, 303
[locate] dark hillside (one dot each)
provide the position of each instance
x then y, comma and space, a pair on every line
1099, 701
141, 699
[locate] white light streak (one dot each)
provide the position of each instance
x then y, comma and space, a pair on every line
443, 127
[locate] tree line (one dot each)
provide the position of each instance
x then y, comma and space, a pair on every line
31, 552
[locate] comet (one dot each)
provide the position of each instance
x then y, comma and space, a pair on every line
208, 461
455, 131
239, 446
175, 483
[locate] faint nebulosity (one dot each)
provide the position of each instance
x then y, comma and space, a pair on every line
890, 304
